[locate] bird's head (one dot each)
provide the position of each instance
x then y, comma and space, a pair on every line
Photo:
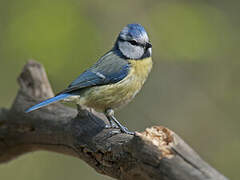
133, 42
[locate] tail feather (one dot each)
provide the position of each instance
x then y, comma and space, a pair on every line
48, 101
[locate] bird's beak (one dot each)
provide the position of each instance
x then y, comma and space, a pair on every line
148, 45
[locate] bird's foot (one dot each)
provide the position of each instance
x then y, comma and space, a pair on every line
126, 131
122, 129
115, 124
111, 126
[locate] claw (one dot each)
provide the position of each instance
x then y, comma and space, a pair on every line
115, 124
125, 130
107, 126
111, 125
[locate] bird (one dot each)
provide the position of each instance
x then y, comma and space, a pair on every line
114, 80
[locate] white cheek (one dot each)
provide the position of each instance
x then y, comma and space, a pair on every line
130, 51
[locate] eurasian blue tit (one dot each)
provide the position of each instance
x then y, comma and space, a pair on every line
115, 79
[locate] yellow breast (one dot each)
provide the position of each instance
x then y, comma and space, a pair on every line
116, 95
141, 68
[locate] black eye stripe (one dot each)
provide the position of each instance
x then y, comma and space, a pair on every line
134, 43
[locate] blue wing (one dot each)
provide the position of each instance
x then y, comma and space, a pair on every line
110, 69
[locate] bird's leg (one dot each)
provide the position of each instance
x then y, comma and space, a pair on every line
111, 119
111, 122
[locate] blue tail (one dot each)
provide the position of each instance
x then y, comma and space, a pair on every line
48, 101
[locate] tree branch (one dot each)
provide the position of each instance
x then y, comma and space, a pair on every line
156, 153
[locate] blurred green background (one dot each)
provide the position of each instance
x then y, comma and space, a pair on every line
193, 88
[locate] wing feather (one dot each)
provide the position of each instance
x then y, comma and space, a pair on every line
109, 69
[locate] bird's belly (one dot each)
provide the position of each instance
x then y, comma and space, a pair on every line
119, 94
110, 96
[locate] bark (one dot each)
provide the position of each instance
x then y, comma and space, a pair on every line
156, 153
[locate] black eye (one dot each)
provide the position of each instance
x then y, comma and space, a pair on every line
132, 42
